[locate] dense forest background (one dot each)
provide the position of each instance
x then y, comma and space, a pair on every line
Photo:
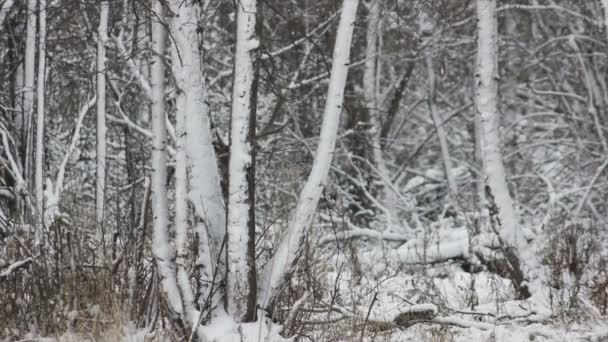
211, 170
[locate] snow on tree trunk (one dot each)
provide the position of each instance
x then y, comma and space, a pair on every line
28, 91
164, 252
205, 192
479, 179
277, 271
504, 218
100, 175
181, 213
38, 176
241, 278
487, 107
370, 81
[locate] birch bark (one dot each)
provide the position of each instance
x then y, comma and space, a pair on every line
370, 81
504, 218
181, 215
205, 191
100, 174
28, 91
163, 251
487, 107
241, 277
38, 176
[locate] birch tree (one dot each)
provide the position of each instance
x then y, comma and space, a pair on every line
370, 76
28, 89
100, 177
181, 215
204, 192
164, 252
507, 220
194, 152
38, 177
241, 278
276, 273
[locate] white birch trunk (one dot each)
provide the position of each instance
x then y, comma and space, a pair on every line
164, 252
38, 176
479, 181
181, 214
205, 192
370, 82
284, 260
241, 280
185, 63
487, 107
100, 175
28, 91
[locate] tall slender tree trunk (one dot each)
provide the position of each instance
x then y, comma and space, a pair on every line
100, 177
28, 97
205, 192
38, 177
487, 107
370, 79
479, 178
503, 215
164, 252
277, 271
181, 215
190, 83
241, 278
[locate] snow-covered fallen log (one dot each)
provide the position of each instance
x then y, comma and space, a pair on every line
436, 247
365, 233
445, 244
355, 232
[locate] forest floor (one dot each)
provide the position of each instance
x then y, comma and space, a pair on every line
386, 294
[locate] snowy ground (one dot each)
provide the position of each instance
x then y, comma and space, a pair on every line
400, 298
